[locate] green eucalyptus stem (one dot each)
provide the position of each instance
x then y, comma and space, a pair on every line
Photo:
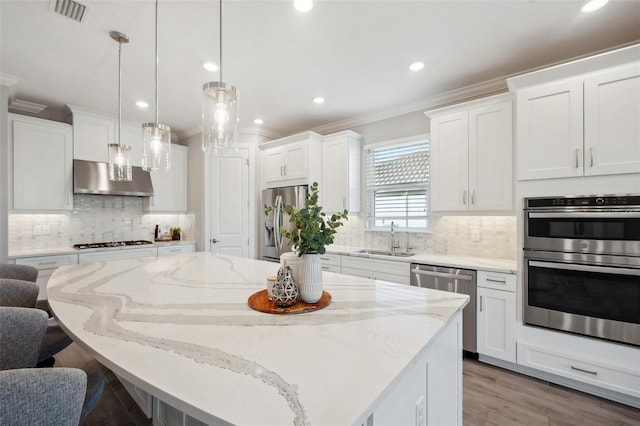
313, 229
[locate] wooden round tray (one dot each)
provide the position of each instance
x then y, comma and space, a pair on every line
260, 302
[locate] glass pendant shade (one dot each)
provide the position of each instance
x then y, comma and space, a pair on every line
156, 153
220, 117
119, 162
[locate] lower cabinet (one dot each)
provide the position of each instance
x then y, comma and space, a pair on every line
331, 262
103, 256
176, 249
496, 315
377, 269
46, 265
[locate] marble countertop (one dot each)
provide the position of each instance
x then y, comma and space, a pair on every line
483, 263
15, 254
180, 328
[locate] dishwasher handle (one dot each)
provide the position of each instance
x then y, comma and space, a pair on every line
442, 274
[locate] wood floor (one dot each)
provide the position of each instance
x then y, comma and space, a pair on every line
492, 396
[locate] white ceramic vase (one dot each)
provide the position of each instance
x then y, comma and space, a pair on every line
310, 283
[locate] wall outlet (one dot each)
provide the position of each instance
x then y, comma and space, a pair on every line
475, 235
421, 412
46, 229
37, 230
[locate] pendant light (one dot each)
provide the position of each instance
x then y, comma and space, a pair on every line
156, 153
220, 111
119, 154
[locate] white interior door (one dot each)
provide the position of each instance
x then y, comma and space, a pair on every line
230, 204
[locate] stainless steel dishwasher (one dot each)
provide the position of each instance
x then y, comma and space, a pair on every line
457, 281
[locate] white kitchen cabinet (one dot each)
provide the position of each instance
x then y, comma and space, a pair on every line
294, 160
580, 118
46, 266
496, 316
41, 153
472, 156
169, 249
93, 131
341, 172
331, 262
377, 269
170, 189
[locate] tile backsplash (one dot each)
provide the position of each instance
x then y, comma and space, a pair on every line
95, 218
450, 235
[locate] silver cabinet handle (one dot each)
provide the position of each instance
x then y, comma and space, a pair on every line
52, 262
174, 250
577, 162
344, 202
473, 196
325, 268
497, 280
464, 197
595, 373
480, 303
285, 170
591, 157
442, 274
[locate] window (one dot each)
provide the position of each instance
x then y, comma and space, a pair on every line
398, 184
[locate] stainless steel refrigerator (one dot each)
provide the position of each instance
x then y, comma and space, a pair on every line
273, 244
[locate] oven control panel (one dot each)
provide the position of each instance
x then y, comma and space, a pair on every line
587, 201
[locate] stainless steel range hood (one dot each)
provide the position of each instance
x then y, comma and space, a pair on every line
90, 177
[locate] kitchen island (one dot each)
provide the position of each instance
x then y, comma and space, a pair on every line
180, 329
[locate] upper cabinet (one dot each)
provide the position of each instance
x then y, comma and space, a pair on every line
341, 172
580, 118
170, 189
293, 160
93, 131
471, 158
41, 153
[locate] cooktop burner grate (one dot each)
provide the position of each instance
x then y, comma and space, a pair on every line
109, 244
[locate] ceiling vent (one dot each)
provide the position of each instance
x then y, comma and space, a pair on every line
70, 9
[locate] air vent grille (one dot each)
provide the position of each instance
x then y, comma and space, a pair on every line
70, 9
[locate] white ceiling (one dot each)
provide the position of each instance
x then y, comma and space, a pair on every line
354, 53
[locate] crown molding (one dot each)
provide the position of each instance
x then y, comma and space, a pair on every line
8, 80
487, 88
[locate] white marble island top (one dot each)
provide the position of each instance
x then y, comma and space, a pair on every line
179, 327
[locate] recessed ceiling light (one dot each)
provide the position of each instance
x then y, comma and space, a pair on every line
318, 100
258, 121
303, 5
416, 66
142, 104
210, 66
593, 5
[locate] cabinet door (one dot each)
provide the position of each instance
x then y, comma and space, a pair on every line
91, 135
550, 131
170, 189
491, 157
42, 165
356, 272
450, 162
496, 323
335, 175
295, 165
272, 166
176, 249
612, 114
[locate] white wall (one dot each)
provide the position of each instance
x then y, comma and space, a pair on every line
4, 170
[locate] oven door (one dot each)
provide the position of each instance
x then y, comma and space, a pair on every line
584, 295
584, 231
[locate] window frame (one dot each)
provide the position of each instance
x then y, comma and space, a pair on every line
369, 220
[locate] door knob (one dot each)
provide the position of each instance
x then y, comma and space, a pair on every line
213, 240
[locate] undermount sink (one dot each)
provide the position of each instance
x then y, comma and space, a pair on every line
385, 253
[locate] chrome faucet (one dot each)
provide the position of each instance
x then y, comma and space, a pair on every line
393, 244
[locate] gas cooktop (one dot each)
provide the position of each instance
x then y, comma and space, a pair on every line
109, 244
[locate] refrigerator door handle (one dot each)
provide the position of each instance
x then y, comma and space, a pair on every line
277, 223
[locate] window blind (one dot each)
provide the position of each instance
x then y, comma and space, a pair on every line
398, 185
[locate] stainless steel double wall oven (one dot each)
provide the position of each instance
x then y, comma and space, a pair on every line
582, 265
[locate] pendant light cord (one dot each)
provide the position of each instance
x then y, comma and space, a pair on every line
119, 92
220, 14
157, 62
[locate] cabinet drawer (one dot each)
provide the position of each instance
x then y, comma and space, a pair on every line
331, 268
379, 265
612, 377
183, 248
103, 256
49, 262
497, 280
331, 259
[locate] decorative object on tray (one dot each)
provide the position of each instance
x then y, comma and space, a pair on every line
285, 292
295, 262
259, 301
271, 282
312, 231
162, 233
